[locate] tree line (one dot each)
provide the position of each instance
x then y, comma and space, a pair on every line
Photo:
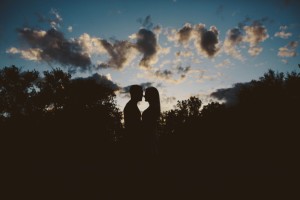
55, 116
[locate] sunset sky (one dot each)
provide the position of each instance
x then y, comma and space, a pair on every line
183, 48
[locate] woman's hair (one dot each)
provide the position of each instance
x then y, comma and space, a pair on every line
154, 100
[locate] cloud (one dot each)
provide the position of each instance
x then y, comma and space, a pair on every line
282, 34
54, 20
146, 23
91, 45
233, 39
105, 81
164, 51
147, 45
176, 75
185, 54
164, 74
28, 54
230, 95
183, 71
254, 34
224, 63
184, 34
254, 51
161, 74
157, 29
207, 42
52, 46
121, 54
70, 29
289, 50
202, 77
101, 80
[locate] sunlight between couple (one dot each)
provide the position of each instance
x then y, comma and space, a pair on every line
141, 129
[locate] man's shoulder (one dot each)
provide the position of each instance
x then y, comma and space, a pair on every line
129, 106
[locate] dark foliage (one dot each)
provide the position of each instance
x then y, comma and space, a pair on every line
55, 119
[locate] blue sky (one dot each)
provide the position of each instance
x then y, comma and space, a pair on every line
184, 48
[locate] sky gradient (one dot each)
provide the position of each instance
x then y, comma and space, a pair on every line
183, 48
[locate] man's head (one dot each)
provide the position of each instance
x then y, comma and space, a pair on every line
136, 92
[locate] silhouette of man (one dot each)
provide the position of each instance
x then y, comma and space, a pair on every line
132, 119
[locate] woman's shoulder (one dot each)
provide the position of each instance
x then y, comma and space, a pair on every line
146, 112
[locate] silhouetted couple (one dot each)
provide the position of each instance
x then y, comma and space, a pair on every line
141, 129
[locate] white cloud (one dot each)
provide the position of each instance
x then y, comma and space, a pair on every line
224, 63
203, 77
70, 29
108, 76
33, 54
185, 54
254, 51
282, 34
289, 50
164, 50
255, 34
133, 36
91, 45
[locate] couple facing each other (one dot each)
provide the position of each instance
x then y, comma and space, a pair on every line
141, 129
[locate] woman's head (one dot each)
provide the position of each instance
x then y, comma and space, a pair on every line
152, 96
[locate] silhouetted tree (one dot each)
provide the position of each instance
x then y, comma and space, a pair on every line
17, 90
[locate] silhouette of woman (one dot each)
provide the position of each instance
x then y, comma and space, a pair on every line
150, 119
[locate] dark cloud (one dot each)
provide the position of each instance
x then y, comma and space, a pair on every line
54, 47
253, 34
244, 22
208, 40
165, 74
185, 33
102, 80
183, 70
120, 53
256, 22
230, 95
234, 35
146, 23
234, 38
147, 44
